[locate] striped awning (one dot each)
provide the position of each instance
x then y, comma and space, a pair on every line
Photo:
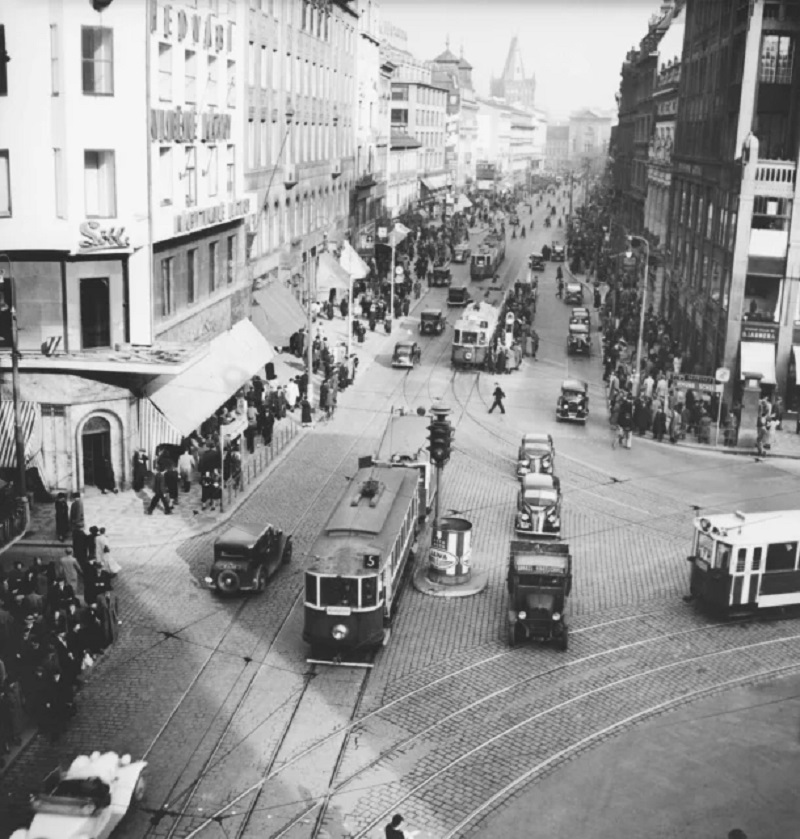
155, 428
31, 422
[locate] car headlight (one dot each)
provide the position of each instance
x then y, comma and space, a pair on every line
552, 515
340, 632
209, 580
556, 616
522, 615
524, 517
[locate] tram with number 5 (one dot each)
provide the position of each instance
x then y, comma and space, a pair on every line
746, 562
358, 562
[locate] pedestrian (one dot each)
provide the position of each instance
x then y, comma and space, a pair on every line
292, 394
106, 480
777, 412
186, 464
206, 490
171, 483
305, 412
159, 493
103, 552
499, 396
69, 570
140, 466
62, 516
76, 516
393, 831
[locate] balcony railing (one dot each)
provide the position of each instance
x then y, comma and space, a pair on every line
775, 178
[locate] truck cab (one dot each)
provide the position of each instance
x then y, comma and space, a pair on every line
539, 583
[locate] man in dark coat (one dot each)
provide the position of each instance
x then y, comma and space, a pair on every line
62, 517
106, 480
171, 483
140, 466
159, 494
499, 396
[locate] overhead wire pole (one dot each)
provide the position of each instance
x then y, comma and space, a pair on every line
645, 283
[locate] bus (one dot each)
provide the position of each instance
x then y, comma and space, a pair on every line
746, 562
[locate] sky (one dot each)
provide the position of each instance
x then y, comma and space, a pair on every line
575, 48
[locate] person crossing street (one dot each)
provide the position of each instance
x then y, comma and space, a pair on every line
499, 396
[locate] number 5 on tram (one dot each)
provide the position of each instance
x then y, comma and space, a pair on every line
358, 561
745, 562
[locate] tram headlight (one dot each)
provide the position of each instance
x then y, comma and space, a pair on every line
340, 632
556, 616
522, 615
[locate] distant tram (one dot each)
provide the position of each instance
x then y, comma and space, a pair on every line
473, 335
745, 562
486, 260
358, 562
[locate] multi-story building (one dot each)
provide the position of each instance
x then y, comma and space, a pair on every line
539, 157
735, 255
522, 145
122, 215
403, 187
556, 148
589, 133
494, 137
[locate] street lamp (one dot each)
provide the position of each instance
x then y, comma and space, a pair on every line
645, 283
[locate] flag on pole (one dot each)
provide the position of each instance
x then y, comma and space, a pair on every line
352, 262
399, 232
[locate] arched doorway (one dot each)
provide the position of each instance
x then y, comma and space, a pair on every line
96, 439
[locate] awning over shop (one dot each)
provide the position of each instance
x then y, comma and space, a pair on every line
758, 357
276, 313
796, 353
331, 275
190, 397
31, 424
353, 263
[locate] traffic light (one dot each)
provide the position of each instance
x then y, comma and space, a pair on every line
440, 436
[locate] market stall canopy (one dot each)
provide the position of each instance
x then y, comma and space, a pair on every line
463, 203
276, 313
759, 357
190, 397
353, 263
331, 275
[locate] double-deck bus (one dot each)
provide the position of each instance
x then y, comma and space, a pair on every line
746, 562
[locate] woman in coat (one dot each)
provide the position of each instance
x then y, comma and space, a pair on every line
62, 517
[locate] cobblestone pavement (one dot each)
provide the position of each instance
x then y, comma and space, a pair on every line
218, 695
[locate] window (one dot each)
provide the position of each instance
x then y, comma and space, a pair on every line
61, 198
165, 73
190, 77
54, 81
273, 68
263, 68
230, 176
230, 256
97, 60
231, 97
165, 174
264, 143
213, 247
190, 174
166, 287
251, 144
5, 184
99, 184
777, 54
191, 275
212, 171
212, 93
251, 64
781, 556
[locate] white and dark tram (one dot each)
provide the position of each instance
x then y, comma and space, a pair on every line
473, 334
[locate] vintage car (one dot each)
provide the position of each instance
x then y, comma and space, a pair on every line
406, 354
431, 322
537, 453
580, 314
462, 252
88, 800
579, 341
557, 254
539, 582
536, 262
458, 295
573, 293
573, 403
538, 506
246, 556
441, 274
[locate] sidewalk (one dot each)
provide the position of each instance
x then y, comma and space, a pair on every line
786, 443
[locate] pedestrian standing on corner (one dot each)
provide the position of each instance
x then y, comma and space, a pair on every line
159, 494
62, 517
185, 467
171, 483
499, 396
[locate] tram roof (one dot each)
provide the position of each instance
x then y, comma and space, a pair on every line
772, 526
356, 529
475, 313
405, 436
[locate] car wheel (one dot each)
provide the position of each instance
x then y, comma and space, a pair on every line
511, 635
563, 641
261, 580
228, 582
139, 789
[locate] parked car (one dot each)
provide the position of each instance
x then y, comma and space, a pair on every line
458, 295
573, 293
538, 506
536, 262
580, 314
246, 556
579, 342
431, 322
557, 254
441, 274
573, 401
406, 354
537, 453
461, 253
88, 800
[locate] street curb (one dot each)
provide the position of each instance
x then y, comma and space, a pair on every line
476, 584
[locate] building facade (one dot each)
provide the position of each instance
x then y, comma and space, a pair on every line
557, 148
733, 291
494, 137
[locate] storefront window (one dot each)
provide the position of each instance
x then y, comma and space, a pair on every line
761, 296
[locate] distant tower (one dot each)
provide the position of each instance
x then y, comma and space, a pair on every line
513, 85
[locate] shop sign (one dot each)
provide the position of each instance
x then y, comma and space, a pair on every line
195, 219
760, 332
701, 384
196, 29
179, 126
96, 238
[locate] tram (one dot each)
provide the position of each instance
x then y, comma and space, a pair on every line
486, 260
473, 334
357, 563
746, 562
405, 445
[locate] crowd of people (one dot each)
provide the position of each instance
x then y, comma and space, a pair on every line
56, 619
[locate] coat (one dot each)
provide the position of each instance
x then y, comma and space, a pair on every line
76, 517
71, 570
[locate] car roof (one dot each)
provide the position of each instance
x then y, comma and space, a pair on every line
431, 312
408, 344
577, 326
574, 384
573, 285
241, 535
580, 310
537, 480
458, 288
537, 437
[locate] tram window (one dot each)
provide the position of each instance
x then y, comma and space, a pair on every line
756, 559
457, 337
781, 556
705, 547
741, 560
723, 556
469, 337
311, 589
338, 591
369, 591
